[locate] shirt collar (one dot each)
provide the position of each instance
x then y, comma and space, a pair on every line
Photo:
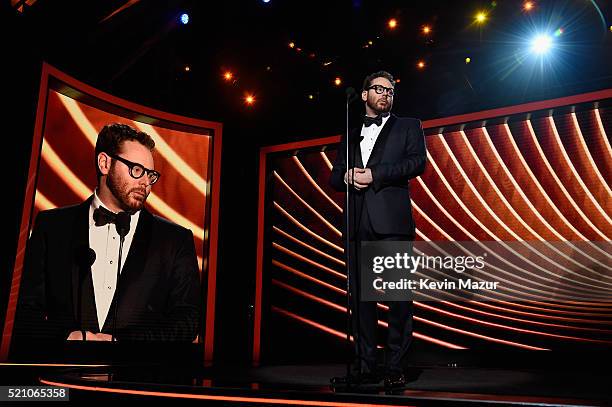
385, 117
96, 202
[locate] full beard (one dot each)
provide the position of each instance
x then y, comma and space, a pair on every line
129, 199
378, 106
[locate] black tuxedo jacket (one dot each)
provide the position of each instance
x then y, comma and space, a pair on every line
158, 291
399, 154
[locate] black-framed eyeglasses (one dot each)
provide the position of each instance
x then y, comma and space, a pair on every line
138, 170
380, 89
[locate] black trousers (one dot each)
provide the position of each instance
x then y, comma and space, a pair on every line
364, 319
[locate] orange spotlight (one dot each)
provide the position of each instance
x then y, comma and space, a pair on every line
392, 23
292, 44
528, 5
249, 99
426, 29
338, 81
481, 17
228, 76
421, 64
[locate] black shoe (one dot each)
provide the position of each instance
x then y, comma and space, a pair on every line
395, 380
359, 378
370, 378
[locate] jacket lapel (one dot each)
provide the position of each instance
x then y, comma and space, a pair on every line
134, 265
355, 149
381, 140
83, 299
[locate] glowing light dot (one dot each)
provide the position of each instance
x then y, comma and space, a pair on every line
228, 76
421, 64
397, 80
468, 60
184, 18
528, 6
372, 42
541, 44
187, 68
559, 32
292, 45
392, 23
426, 29
311, 97
249, 99
338, 81
481, 17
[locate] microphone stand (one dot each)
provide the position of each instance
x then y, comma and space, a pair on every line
122, 224
352, 290
348, 247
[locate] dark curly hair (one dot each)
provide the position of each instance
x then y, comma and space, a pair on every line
113, 135
380, 74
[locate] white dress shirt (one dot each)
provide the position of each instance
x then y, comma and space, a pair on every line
104, 240
370, 134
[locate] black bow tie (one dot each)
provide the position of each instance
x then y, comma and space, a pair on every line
103, 216
368, 121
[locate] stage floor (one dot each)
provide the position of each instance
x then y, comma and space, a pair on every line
309, 385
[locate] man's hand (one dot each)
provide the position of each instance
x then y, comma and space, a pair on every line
89, 336
363, 176
352, 177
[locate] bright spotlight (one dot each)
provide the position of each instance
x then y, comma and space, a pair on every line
541, 44
184, 18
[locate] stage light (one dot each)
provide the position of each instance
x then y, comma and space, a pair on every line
372, 42
481, 17
310, 97
249, 99
421, 64
187, 68
468, 60
392, 23
426, 29
184, 18
228, 76
397, 80
528, 6
559, 32
265, 1
292, 44
541, 44
338, 81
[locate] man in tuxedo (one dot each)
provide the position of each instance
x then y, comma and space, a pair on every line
69, 288
385, 152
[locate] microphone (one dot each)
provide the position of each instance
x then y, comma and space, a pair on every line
85, 256
351, 94
122, 224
